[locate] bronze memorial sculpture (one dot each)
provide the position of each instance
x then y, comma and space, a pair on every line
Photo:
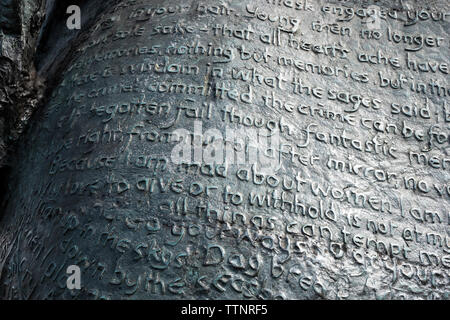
202, 149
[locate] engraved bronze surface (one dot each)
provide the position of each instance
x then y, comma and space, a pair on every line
264, 149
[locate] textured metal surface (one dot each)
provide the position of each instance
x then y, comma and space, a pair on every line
318, 139
20, 88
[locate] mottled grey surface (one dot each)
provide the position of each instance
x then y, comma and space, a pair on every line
348, 199
20, 89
